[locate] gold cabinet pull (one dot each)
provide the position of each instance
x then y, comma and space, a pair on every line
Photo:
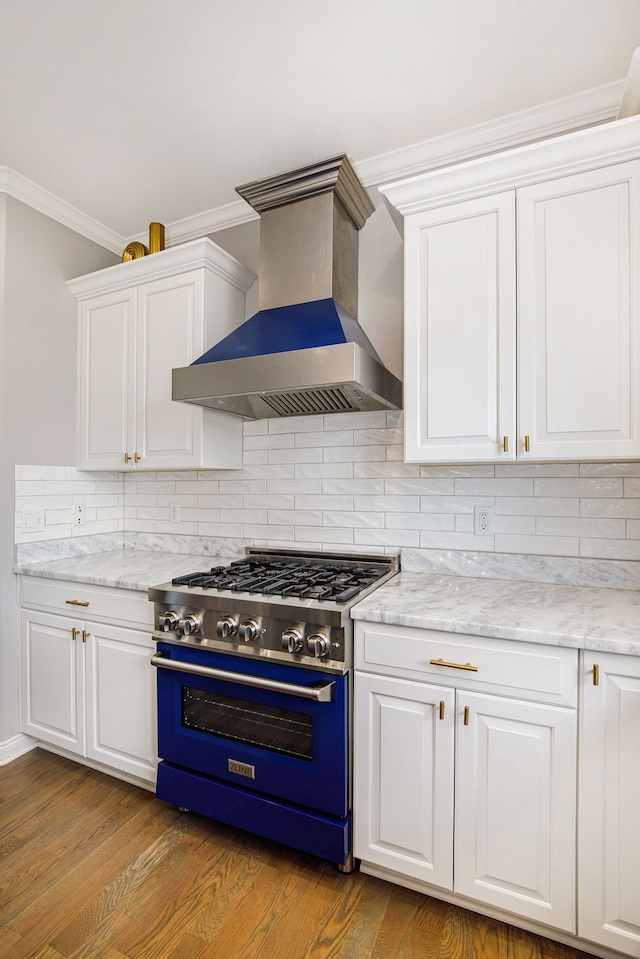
596, 674
74, 632
466, 715
136, 458
527, 444
441, 662
127, 458
505, 444
76, 602
85, 635
442, 709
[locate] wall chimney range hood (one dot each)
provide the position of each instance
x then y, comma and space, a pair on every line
304, 351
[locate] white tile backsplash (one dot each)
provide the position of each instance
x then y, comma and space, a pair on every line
341, 481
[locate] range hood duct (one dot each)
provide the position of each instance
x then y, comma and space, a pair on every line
304, 351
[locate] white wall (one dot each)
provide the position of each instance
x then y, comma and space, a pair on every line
37, 383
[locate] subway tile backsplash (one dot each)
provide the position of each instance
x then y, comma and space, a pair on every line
340, 481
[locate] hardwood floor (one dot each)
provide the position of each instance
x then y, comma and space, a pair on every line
93, 868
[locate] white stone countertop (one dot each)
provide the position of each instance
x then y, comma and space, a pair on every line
584, 617
124, 568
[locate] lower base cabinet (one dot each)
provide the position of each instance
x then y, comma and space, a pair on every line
459, 787
609, 834
87, 686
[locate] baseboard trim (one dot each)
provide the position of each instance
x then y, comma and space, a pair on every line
17, 746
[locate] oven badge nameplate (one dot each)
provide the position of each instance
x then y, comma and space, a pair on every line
241, 769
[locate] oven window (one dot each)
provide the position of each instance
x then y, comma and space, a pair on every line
269, 727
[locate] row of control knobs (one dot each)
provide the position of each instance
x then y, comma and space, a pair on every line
247, 631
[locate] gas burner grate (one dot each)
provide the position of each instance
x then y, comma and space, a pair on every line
338, 582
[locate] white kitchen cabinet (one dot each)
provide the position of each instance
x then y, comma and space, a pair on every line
53, 687
516, 807
137, 321
87, 686
609, 802
460, 336
485, 728
404, 762
522, 303
579, 315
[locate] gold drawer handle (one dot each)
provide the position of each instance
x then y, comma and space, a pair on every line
441, 662
76, 602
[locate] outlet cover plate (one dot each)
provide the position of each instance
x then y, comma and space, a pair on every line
483, 521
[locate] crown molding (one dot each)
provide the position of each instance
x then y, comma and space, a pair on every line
204, 224
21, 188
566, 115
581, 150
193, 255
558, 117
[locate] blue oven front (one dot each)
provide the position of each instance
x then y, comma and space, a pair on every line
257, 745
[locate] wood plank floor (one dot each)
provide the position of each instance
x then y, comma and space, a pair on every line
93, 868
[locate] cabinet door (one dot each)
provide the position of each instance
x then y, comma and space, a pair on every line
516, 807
403, 797
579, 310
52, 680
609, 803
106, 358
170, 332
121, 713
460, 332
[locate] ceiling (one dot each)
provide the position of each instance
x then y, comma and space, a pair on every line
154, 110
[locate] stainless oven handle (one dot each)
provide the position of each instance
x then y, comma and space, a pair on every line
321, 694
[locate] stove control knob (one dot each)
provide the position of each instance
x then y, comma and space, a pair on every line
292, 640
168, 620
249, 631
226, 627
190, 624
318, 645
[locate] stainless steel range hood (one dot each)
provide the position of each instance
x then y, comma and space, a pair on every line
304, 351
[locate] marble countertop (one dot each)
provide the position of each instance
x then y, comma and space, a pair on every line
124, 568
583, 617
605, 620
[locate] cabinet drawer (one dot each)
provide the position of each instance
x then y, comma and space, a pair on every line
124, 606
546, 674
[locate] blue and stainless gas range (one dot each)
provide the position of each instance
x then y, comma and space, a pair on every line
254, 665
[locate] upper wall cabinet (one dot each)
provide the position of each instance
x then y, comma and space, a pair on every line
137, 321
522, 309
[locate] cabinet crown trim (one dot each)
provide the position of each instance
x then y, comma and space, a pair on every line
602, 145
177, 259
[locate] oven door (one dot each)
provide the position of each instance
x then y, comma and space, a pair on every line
276, 729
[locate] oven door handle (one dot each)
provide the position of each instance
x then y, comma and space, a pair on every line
324, 693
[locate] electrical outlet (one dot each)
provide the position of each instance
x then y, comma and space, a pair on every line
33, 520
483, 521
78, 515
174, 512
